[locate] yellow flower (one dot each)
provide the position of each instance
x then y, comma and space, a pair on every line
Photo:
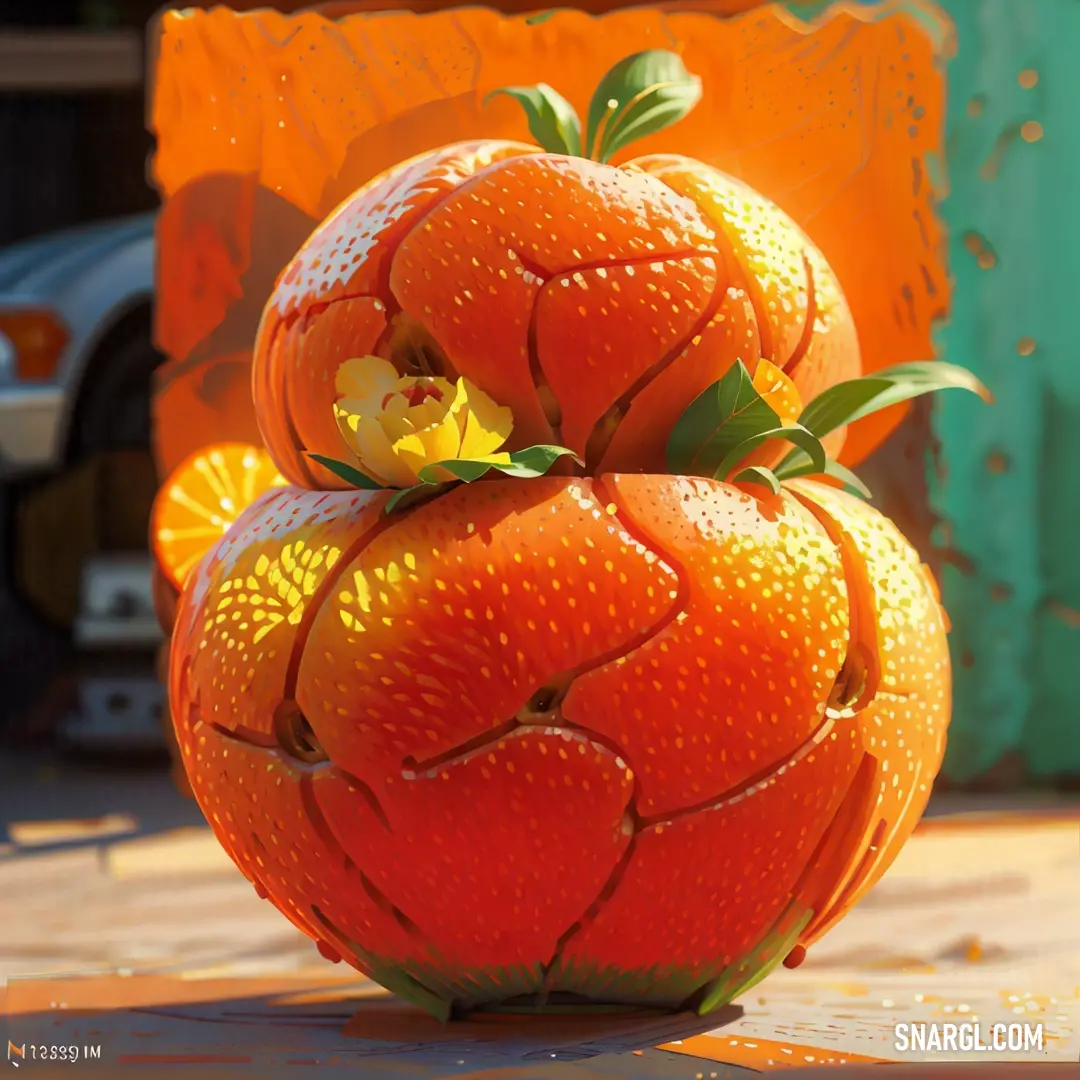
779, 392
397, 425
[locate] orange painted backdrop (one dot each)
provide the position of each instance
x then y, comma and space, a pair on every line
265, 122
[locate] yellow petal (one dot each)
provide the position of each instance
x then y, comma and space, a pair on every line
441, 441
366, 380
346, 422
395, 418
779, 392
409, 451
376, 454
430, 411
487, 425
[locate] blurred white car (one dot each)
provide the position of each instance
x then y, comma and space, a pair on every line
76, 352
77, 365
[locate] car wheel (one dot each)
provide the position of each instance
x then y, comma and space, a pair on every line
33, 655
113, 412
112, 419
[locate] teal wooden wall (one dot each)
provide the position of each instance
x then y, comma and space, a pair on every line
1006, 486
1007, 497
1010, 497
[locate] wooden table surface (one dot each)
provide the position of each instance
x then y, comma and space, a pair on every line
124, 926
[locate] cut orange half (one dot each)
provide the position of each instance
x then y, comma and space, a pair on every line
201, 500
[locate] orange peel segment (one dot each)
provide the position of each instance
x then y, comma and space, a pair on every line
202, 498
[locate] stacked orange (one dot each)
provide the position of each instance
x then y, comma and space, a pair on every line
607, 734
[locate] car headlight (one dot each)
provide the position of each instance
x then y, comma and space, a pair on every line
36, 339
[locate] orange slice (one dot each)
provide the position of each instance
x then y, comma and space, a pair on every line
201, 500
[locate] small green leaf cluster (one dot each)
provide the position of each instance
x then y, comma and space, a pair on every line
531, 462
641, 95
724, 424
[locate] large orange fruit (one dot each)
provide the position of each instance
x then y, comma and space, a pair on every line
595, 301
623, 735
628, 737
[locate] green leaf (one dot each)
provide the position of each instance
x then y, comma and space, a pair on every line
538, 18
347, 473
464, 469
850, 401
531, 462
758, 474
805, 440
552, 120
850, 481
639, 96
799, 464
410, 496
536, 460
719, 420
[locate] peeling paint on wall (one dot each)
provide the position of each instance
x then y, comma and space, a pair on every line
1007, 493
1002, 525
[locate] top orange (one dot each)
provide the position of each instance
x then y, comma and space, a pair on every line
594, 301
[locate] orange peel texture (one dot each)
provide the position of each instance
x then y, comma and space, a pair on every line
628, 736
838, 122
633, 737
596, 302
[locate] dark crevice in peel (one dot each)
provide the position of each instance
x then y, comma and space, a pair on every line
319, 824
547, 274
869, 861
806, 338
413, 349
306, 770
248, 736
848, 821
860, 670
287, 321
548, 401
759, 779
412, 767
607, 426
283, 403
543, 706
386, 905
607, 891
315, 602
365, 962
295, 735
